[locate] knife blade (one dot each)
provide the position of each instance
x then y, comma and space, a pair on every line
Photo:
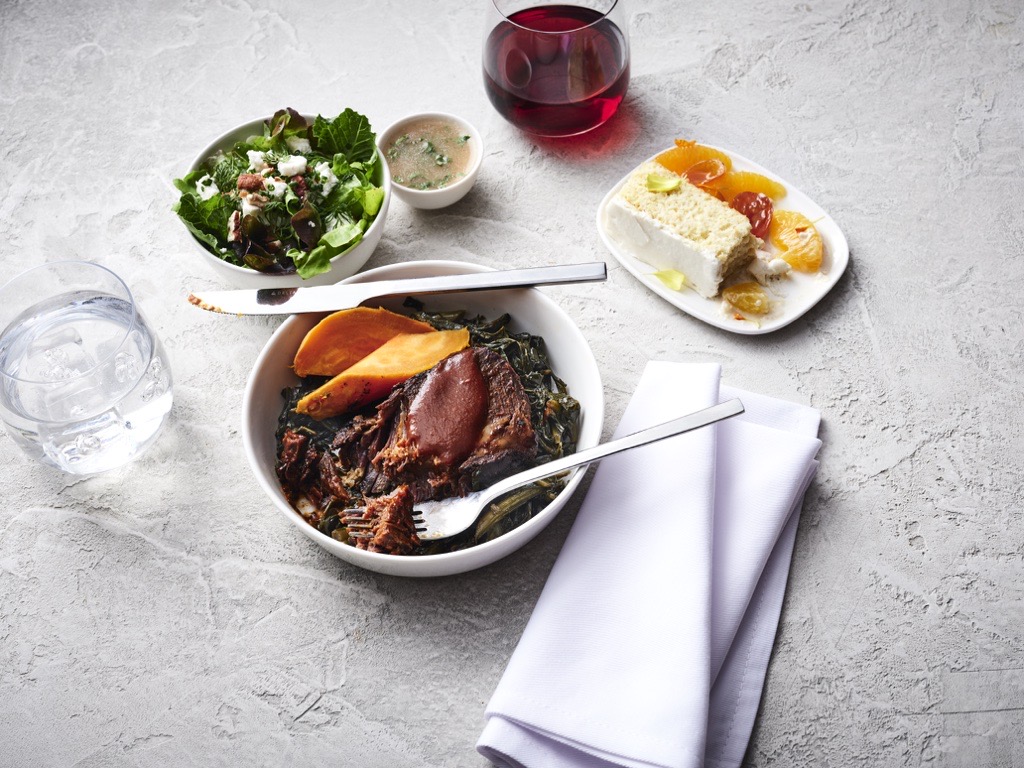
328, 298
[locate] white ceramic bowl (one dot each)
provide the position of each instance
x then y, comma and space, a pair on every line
435, 198
343, 265
531, 310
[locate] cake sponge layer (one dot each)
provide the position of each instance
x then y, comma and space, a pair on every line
685, 229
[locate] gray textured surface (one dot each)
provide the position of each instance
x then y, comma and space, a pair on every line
167, 615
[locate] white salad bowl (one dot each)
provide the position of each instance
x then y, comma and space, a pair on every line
531, 310
343, 265
429, 199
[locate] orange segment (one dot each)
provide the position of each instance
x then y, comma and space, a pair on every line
686, 154
797, 239
734, 182
748, 297
706, 172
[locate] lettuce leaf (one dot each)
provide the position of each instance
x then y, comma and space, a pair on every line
318, 260
372, 198
206, 219
348, 134
187, 185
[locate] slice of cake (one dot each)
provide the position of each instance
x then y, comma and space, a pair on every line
685, 229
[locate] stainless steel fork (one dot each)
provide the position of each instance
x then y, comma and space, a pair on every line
441, 519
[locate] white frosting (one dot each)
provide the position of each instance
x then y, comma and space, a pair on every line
649, 241
766, 267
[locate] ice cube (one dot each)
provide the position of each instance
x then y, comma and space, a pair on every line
57, 356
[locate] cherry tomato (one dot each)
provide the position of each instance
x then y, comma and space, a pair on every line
706, 171
757, 208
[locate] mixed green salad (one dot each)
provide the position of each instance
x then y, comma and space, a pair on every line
289, 200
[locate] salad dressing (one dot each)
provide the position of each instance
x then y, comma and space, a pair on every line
430, 154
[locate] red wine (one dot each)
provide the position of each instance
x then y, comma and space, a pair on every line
555, 84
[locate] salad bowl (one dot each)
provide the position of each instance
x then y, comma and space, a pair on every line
531, 311
341, 266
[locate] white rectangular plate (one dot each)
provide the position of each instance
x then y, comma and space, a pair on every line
792, 296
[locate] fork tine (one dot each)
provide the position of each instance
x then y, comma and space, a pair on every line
360, 528
361, 525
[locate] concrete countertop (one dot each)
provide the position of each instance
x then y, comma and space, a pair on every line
166, 614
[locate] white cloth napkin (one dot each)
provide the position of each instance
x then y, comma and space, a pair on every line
650, 641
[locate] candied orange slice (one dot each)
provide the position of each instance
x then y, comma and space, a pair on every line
797, 239
686, 154
734, 182
705, 172
748, 297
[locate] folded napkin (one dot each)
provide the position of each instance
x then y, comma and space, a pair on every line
650, 641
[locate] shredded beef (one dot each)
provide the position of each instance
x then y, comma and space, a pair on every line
393, 531
332, 480
297, 463
460, 426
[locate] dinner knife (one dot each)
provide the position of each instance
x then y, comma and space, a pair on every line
328, 298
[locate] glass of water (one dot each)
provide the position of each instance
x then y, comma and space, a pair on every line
84, 383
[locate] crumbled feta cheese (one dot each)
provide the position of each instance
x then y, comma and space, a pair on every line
298, 144
257, 160
293, 165
327, 177
206, 188
275, 187
250, 203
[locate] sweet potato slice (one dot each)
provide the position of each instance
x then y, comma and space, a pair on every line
372, 378
344, 338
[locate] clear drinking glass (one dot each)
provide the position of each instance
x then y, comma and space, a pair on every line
84, 383
556, 69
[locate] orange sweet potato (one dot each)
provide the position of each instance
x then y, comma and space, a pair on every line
372, 378
344, 338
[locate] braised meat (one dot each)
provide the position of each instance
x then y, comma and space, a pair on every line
442, 432
296, 462
507, 443
479, 415
393, 531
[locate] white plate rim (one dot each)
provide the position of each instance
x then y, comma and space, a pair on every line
708, 310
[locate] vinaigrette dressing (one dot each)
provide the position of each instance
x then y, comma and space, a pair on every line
430, 154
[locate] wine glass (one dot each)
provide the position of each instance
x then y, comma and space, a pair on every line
556, 70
